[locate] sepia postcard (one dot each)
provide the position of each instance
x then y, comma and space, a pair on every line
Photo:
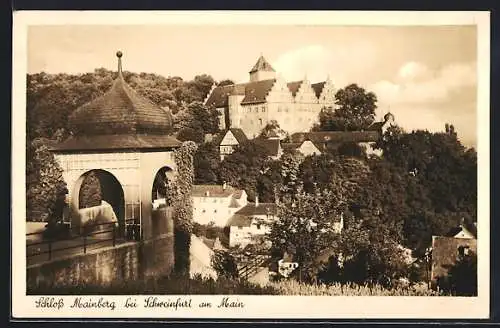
250, 165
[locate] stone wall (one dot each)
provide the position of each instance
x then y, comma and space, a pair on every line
124, 262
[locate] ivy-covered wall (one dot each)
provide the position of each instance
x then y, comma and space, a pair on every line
183, 206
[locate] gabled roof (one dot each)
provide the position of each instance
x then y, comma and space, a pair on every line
262, 209
256, 92
117, 141
318, 88
237, 133
294, 87
219, 95
262, 65
120, 111
238, 220
213, 191
468, 228
271, 146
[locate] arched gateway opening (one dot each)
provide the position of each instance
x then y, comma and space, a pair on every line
92, 189
162, 197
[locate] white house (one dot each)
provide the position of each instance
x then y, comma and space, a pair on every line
250, 222
306, 147
216, 203
230, 140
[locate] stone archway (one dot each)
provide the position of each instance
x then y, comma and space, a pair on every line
161, 197
111, 191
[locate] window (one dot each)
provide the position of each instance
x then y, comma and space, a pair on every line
256, 109
279, 109
202, 211
240, 228
260, 121
258, 226
215, 200
215, 211
263, 109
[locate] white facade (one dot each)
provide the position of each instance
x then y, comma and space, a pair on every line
216, 208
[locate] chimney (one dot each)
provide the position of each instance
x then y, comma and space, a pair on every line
256, 200
207, 193
224, 185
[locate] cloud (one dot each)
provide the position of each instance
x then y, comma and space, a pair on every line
417, 84
422, 98
343, 64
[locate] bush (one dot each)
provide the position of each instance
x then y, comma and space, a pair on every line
292, 287
167, 285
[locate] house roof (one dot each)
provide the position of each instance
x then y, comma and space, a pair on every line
471, 228
238, 220
116, 141
213, 191
294, 87
291, 145
120, 111
262, 65
262, 209
219, 96
256, 92
271, 145
335, 136
318, 88
237, 133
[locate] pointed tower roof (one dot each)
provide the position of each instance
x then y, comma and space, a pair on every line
119, 119
120, 110
262, 65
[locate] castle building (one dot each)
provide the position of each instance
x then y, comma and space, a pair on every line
266, 97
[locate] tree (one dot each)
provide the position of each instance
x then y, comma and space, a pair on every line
225, 82
207, 164
242, 168
462, 276
90, 191
224, 264
272, 129
45, 186
370, 254
355, 110
305, 227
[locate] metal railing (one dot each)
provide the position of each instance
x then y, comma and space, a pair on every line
253, 266
81, 243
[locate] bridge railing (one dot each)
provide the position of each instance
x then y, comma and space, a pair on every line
99, 235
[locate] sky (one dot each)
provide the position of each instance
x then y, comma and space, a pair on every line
425, 75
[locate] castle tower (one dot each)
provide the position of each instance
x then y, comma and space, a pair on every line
262, 70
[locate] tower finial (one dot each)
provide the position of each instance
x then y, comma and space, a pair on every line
119, 54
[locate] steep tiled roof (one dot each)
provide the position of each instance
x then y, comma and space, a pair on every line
218, 96
120, 111
262, 209
291, 145
318, 88
466, 227
117, 141
256, 92
213, 190
271, 146
238, 220
237, 133
262, 65
294, 87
